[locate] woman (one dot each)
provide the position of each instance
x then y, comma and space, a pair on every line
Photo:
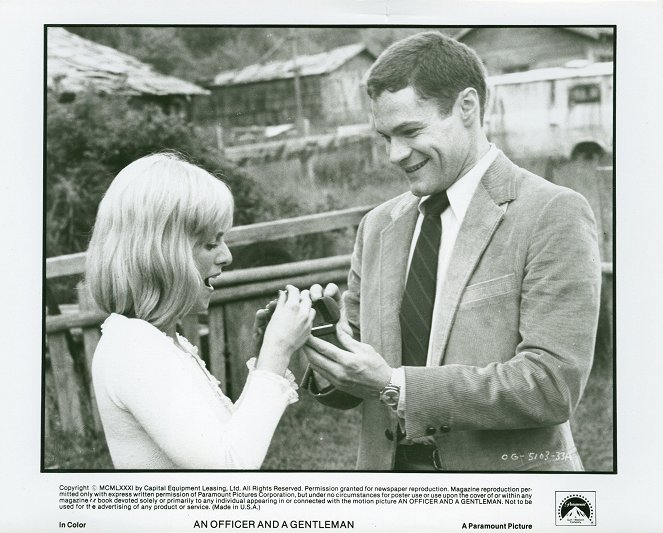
156, 247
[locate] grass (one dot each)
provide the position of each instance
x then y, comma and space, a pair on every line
67, 451
315, 437
342, 180
592, 424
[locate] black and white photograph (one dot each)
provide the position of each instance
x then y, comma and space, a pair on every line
203, 198
361, 270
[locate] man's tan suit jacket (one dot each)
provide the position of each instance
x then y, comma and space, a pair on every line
518, 319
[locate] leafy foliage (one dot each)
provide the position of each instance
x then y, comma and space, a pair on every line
94, 137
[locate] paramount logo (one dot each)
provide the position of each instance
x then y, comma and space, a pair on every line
575, 508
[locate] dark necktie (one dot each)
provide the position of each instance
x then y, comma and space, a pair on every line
419, 296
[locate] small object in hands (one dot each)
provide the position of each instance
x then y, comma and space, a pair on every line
327, 315
326, 318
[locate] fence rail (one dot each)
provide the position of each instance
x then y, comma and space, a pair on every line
74, 264
237, 285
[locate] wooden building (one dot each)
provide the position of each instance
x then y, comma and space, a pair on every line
506, 50
75, 65
264, 94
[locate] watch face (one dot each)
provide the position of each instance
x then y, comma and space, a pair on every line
390, 397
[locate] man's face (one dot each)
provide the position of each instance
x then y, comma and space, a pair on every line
432, 150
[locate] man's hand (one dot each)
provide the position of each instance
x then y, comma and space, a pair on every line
331, 289
316, 292
358, 370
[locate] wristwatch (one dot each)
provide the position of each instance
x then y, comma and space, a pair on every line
390, 395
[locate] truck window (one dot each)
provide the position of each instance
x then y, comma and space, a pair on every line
584, 94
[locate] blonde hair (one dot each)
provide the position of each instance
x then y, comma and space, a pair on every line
140, 259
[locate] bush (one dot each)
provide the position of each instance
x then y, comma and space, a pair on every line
342, 169
92, 138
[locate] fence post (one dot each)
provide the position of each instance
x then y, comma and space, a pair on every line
606, 316
373, 151
310, 168
307, 167
219, 140
190, 330
216, 342
306, 157
67, 388
604, 188
604, 185
239, 323
49, 412
91, 338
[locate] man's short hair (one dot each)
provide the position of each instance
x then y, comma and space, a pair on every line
434, 65
140, 259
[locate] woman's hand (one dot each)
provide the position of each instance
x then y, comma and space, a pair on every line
287, 331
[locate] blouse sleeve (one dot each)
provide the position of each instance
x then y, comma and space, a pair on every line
195, 426
288, 382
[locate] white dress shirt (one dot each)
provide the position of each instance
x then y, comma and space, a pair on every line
460, 195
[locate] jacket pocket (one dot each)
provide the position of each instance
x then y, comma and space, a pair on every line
483, 290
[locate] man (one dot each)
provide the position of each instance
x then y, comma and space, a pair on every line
475, 294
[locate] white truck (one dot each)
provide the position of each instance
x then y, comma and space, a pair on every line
559, 112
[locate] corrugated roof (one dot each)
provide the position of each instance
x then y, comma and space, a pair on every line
308, 65
552, 73
76, 64
592, 33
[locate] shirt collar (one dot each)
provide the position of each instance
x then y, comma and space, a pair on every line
461, 192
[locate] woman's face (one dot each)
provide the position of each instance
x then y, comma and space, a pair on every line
210, 256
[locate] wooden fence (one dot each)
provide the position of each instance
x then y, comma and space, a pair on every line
223, 334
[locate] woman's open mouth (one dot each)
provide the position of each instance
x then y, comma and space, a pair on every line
209, 281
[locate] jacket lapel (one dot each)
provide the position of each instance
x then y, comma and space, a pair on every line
483, 216
395, 241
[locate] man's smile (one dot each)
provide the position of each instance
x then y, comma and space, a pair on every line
416, 167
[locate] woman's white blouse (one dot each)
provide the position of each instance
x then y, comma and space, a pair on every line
161, 408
